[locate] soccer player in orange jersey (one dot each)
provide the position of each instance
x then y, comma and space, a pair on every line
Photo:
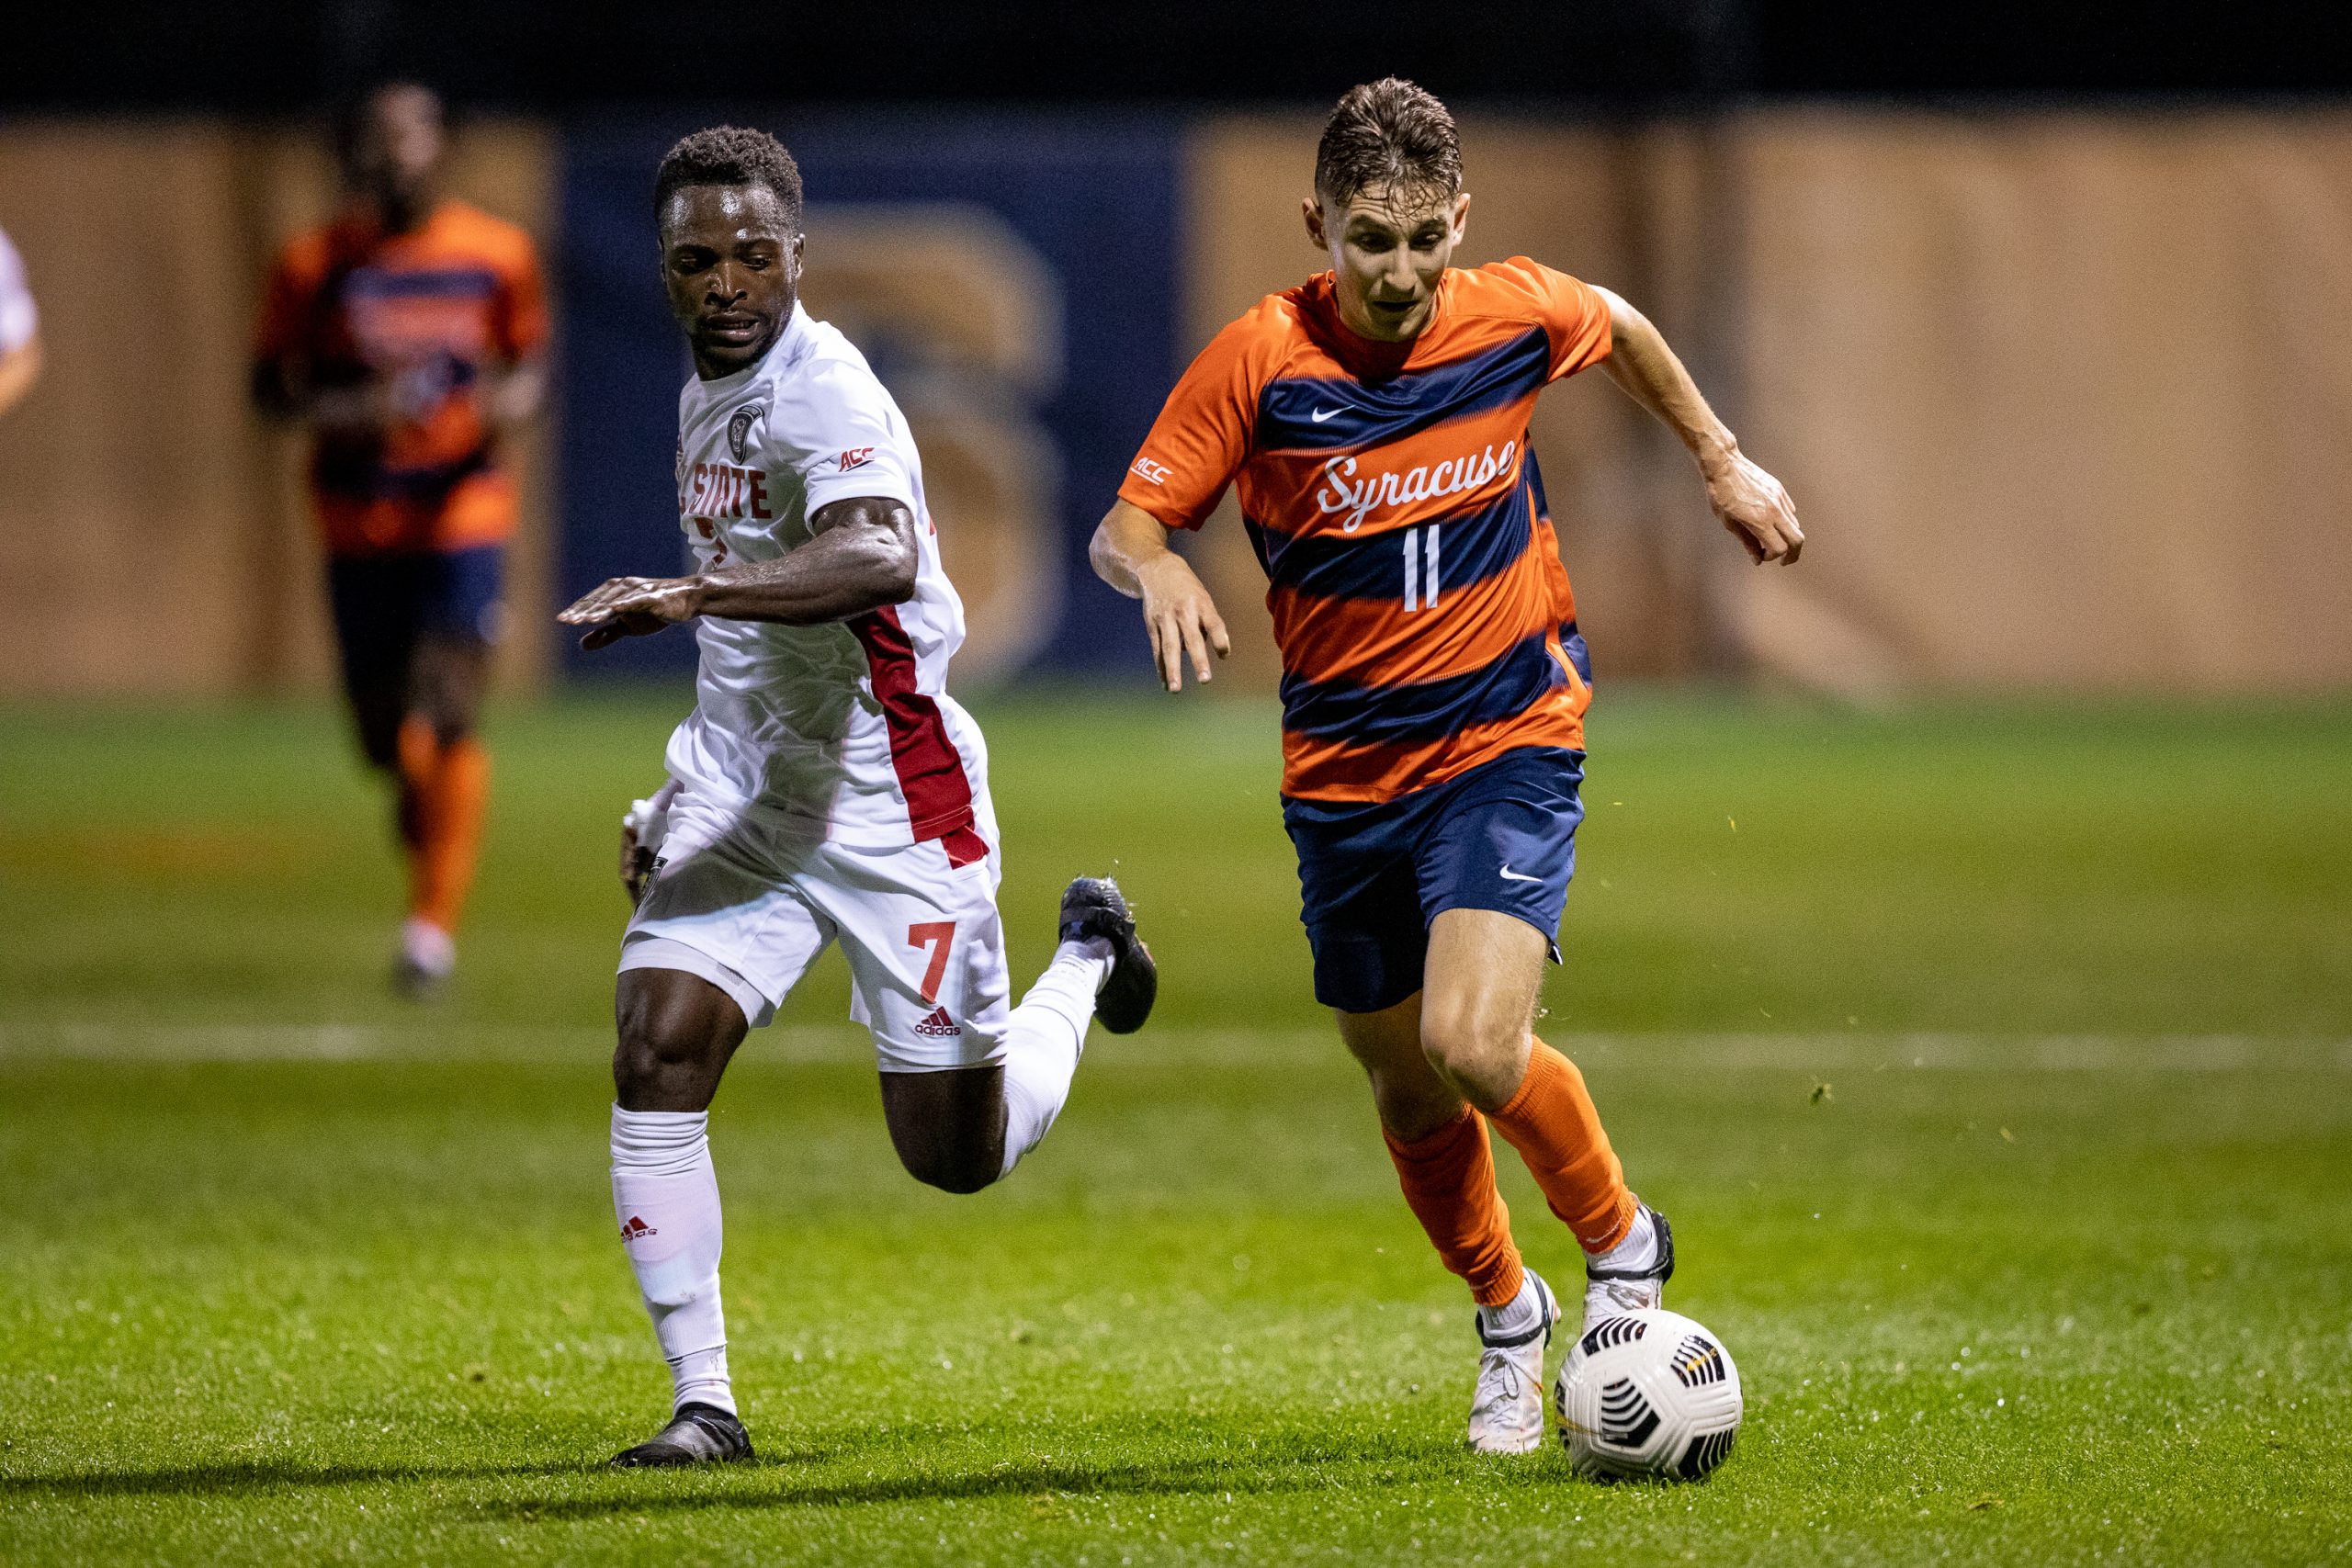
1374, 422
406, 334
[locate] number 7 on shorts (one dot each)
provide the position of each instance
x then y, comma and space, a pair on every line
939, 936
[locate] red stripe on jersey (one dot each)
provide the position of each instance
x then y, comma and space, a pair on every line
929, 769
1315, 769
964, 846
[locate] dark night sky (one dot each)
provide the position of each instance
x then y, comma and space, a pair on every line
156, 54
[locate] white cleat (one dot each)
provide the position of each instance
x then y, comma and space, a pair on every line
426, 959
1506, 1410
1610, 1290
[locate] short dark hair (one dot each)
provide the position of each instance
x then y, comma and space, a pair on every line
730, 155
1388, 135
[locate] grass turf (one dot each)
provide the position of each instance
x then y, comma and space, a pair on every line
1992, 1062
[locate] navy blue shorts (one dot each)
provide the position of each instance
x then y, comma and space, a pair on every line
385, 605
1502, 837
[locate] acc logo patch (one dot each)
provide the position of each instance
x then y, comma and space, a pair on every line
856, 458
738, 427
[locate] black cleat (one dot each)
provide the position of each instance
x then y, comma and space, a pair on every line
1093, 907
698, 1433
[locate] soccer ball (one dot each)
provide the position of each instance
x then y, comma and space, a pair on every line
1646, 1394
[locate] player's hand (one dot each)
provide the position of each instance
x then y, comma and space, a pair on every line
365, 410
1181, 618
637, 864
633, 606
645, 827
1756, 508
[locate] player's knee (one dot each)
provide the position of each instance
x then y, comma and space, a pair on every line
449, 726
379, 740
1462, 1046
445, 711
955, 1153
948, 1128
960, 1172
661, 1040
1449, 1038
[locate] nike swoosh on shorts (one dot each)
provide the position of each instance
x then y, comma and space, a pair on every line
1511, 876
1319, 415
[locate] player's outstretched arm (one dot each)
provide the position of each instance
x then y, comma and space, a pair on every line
282, 389
1130, 552
1751, 502
861, 556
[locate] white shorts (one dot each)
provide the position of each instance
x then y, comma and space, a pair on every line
747, 902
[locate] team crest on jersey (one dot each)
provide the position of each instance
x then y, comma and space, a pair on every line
738, 427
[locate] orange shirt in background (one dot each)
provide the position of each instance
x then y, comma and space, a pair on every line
427, 314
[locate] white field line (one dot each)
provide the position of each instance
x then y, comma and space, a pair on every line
1847, 1051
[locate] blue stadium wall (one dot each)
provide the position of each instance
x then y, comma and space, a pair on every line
1093, 198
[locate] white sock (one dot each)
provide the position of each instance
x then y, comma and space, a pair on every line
1044, 1039
1637, 1250
666, 1198
1516, 1316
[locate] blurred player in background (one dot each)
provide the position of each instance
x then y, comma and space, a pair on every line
1435, 685
824, 788
19, 330
406, 335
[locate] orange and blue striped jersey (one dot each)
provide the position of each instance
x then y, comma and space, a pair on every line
425, 313
1424, 618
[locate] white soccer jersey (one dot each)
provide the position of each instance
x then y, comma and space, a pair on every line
849, 725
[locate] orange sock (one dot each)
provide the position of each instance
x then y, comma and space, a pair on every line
1449, 1181
449, 785
1551, 1124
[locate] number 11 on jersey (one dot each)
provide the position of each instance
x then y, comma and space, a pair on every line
1420, 566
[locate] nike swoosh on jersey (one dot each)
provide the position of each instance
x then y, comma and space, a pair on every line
1511, 876
1319, 415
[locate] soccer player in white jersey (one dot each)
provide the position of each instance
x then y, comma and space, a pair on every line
825, 786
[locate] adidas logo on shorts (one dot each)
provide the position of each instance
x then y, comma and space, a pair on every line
939, 1026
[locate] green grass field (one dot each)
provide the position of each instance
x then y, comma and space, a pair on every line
1994, 1064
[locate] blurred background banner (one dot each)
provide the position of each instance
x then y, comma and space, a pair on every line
2065, 397
2060, 394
